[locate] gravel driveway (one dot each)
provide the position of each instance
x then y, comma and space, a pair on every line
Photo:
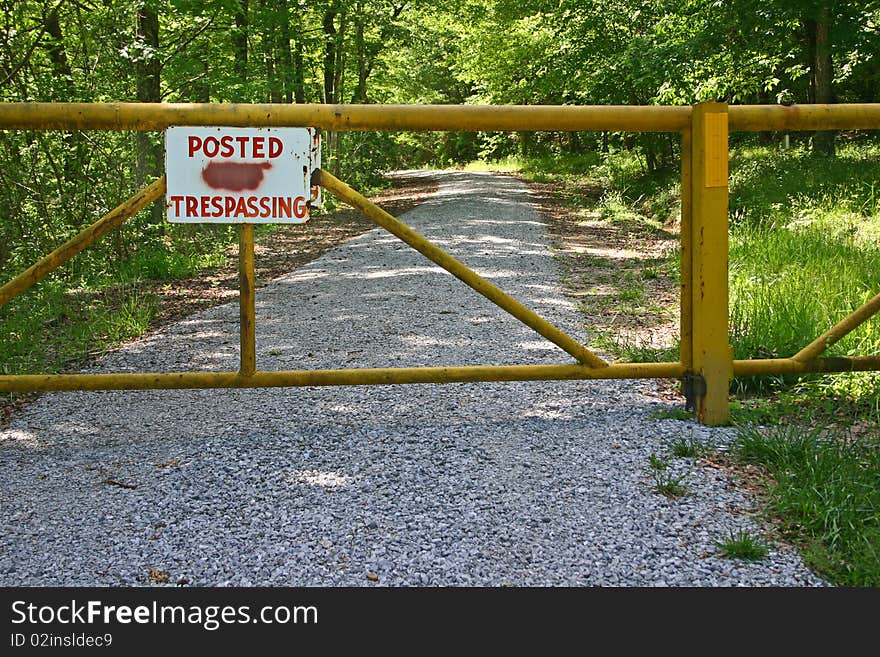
535, 483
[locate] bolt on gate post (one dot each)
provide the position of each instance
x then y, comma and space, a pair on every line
711, 354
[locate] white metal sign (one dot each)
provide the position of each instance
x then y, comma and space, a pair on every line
241, 175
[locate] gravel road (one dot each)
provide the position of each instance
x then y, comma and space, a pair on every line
534, 483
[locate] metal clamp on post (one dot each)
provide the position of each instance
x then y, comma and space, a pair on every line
693, 386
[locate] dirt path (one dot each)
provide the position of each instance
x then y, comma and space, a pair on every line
619, 273
281, 251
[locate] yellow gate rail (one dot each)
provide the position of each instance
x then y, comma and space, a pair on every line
705, 359
349, 377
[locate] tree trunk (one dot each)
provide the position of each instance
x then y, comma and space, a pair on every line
339, 69
240, 46
810, 30
202, 88
329, 25
525, 143
269, 55
360, 94
651, 159
73, 155
339, 136
284, 54
823, 73
331, 79
299, 77
55, 50
147, 70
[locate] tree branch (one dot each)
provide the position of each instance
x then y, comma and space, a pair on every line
188, 41
33, 47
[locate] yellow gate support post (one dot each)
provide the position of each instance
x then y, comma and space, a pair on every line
246, 295
712, 355
686, 296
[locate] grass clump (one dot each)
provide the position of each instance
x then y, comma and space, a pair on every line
668, 484
672, 414
689, 447
742, 545
824, 486
629, 350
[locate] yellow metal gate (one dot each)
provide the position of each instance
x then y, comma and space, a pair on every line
705, 362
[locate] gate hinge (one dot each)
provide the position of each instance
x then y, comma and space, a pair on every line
693, 386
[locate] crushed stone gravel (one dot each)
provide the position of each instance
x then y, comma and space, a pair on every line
531, 483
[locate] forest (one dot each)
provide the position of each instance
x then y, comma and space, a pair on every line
804, 207
381, 51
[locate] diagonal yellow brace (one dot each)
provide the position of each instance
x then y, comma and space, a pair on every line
836, 333
458, 269
84, 239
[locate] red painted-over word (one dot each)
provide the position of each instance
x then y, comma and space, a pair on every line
234, 176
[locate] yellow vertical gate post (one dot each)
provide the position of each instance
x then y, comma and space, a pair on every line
712, 356
246, 299
686, 316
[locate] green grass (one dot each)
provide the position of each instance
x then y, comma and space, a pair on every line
770, 185
630, 351
55, 327
824, 487
506, 165
93, 303
688, 447
631, 293
544, 168
668, 484
804, 253
788, 284
744, 546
